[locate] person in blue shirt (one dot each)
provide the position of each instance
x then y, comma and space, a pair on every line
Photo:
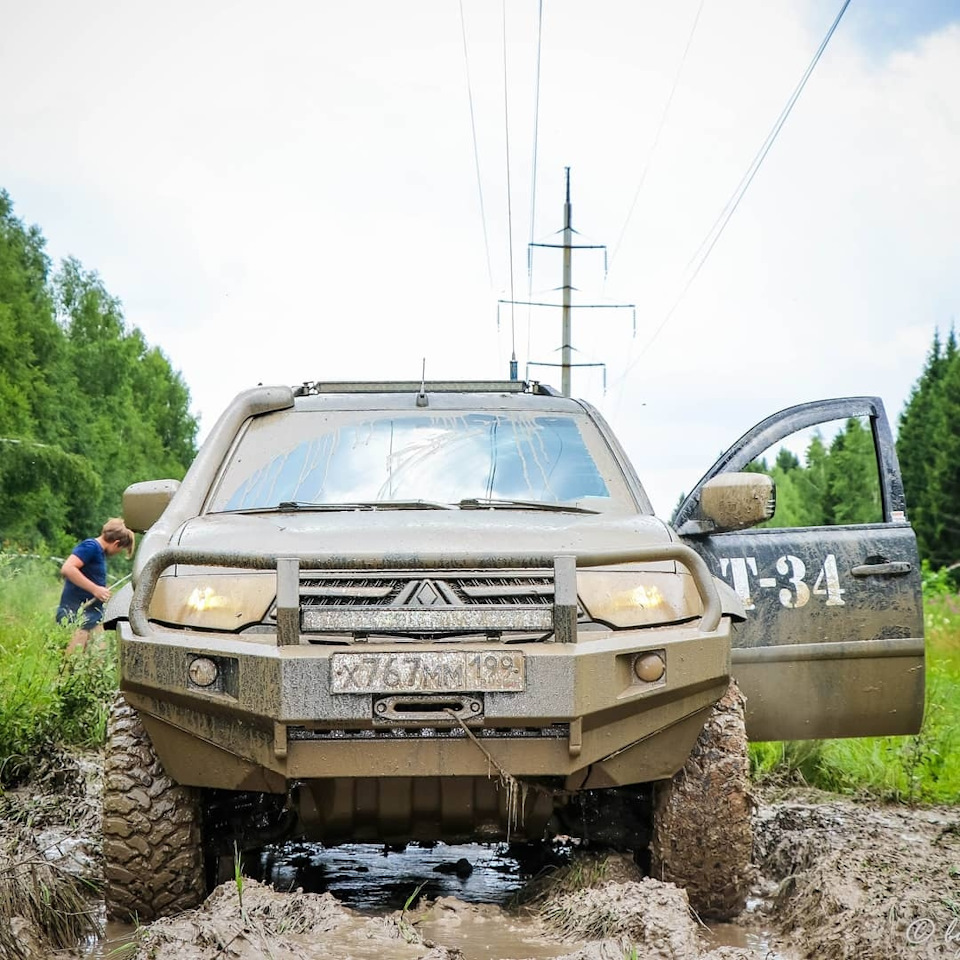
85, 574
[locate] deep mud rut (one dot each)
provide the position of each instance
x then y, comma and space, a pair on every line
836, 879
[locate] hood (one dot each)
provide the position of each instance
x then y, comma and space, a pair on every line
422, 531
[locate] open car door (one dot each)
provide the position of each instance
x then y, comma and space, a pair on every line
833, 641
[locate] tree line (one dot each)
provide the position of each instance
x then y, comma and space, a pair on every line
87, 406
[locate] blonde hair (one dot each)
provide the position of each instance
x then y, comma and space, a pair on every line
116, 531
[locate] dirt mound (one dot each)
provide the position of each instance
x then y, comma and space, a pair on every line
585, 869
50, 858
650, 915
41, 902
864, 882
63, 795
604, 901
261, 922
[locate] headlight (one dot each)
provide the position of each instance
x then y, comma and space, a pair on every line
214, 602
638, 597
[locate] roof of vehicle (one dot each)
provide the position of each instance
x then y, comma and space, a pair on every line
442, 395
424, 386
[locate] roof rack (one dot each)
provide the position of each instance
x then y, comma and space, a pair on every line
309, 387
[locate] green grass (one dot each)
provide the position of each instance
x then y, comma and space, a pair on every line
924, 768
46, 699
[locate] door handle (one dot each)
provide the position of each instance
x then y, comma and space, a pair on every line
889, 568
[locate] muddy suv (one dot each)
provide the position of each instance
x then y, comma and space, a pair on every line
446, 612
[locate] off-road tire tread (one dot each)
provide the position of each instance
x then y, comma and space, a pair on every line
152, 849
702, 820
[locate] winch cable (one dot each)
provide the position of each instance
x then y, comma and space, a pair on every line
516, 788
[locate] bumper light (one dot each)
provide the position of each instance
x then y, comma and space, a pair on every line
649, 667
203, 672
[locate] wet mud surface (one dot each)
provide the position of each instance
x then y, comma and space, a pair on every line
836, 879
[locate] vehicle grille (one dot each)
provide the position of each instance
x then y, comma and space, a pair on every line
426, 605
511, 588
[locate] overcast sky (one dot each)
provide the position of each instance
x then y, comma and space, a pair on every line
288, 192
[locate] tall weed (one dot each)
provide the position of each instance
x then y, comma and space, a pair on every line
46, 698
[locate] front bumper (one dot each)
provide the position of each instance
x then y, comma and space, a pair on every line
274, 715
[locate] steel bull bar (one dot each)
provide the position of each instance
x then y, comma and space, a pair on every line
288, 577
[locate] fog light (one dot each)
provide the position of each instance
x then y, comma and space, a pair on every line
202, 671
649, 667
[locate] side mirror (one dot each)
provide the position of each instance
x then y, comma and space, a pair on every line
144, 502
734, 501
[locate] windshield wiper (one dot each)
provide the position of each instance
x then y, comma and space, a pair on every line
489, 503
320, 507
363, 505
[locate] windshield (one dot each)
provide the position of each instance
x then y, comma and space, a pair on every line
342, 458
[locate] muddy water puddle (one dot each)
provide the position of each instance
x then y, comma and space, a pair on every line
472, 888
373, 879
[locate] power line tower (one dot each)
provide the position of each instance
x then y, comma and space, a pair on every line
566, 305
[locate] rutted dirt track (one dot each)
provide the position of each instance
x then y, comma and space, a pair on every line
836, 879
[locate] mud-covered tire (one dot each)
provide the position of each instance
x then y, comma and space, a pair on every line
152, 847
702, 831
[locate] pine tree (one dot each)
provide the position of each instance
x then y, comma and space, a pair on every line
941, 517
853, 487
926, 442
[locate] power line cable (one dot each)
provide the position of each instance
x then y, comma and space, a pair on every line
533, 176
476, 152
506, 124
656, 139
713, 234
716, 231
536, 125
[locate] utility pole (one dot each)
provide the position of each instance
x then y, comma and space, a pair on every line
566, 305
567, 331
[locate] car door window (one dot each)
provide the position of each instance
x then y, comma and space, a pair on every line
826, 475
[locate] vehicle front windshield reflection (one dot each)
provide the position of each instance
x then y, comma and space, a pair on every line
437, 458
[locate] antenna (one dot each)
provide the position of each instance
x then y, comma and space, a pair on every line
566, 305
422, 395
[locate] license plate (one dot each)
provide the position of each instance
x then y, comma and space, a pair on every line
447, 672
